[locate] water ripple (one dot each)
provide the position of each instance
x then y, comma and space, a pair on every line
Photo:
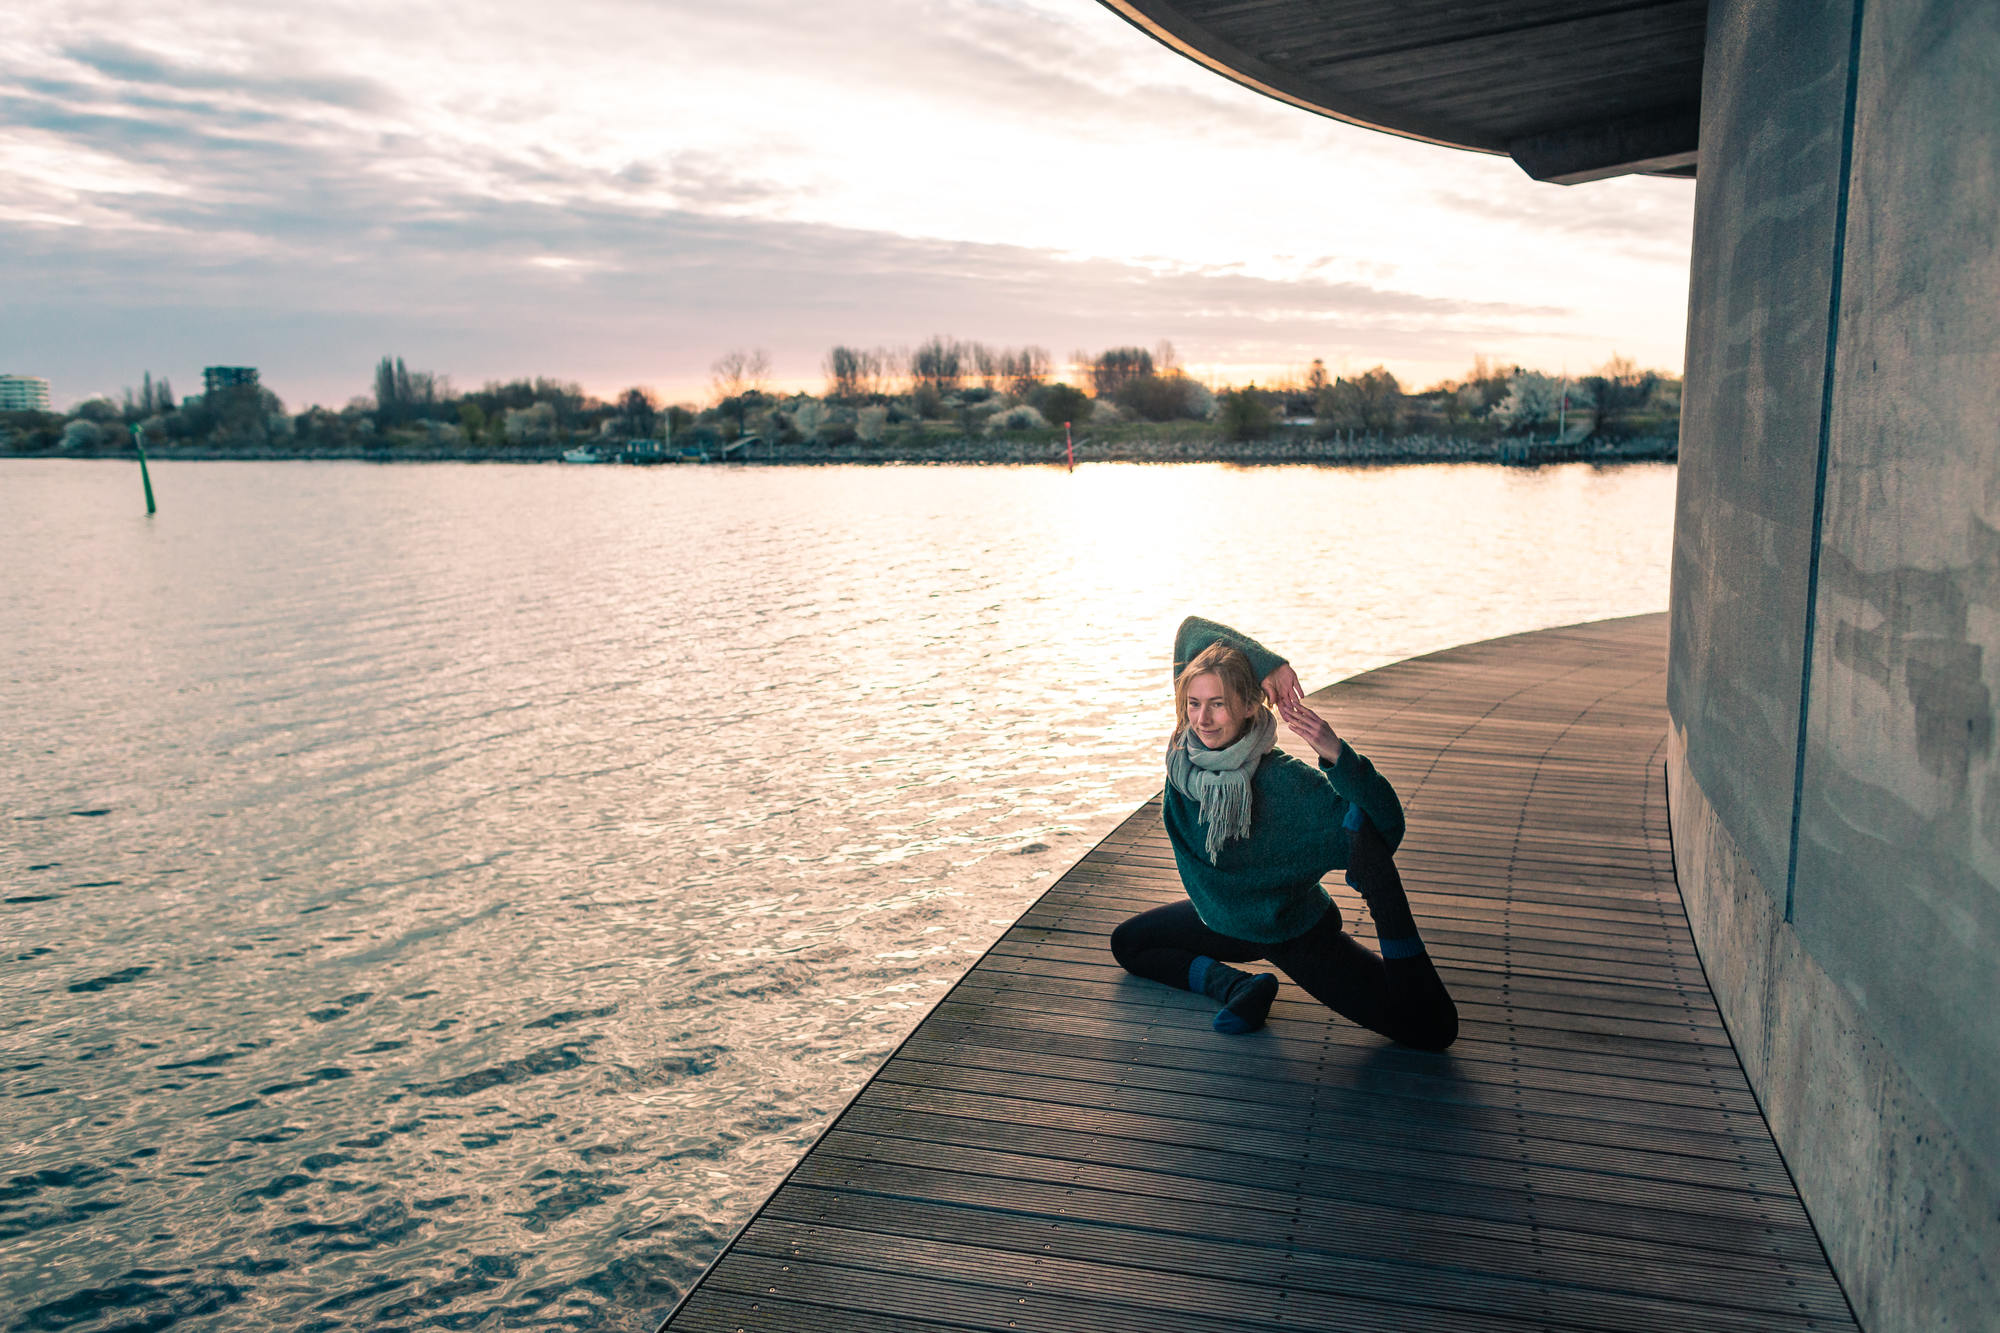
453, 896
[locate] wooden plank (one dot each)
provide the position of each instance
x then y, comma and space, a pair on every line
1478, 1043
1181, 1237
1170, 1041
1164, 1274
1546, 1112
1170, 1172
923, 1111
1062, 1146
1527, 996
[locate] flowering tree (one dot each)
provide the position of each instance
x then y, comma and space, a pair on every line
1534, 399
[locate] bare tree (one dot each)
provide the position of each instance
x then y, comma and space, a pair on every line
1370, 401
846, 372
389, 387
641, 411
1024, 369
938, 362
985, 363
1620, 389
402, 394
859, 372
155, 396
1111, 370
564, 397
884, 364
737, 372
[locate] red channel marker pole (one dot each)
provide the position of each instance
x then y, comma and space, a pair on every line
1069, 448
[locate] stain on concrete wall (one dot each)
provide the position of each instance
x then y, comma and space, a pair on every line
1898, 881
1773, 96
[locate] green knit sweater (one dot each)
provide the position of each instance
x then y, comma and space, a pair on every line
1265, 888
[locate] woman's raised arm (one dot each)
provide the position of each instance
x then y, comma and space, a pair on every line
1281, 683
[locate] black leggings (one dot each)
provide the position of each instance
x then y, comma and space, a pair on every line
1401, 998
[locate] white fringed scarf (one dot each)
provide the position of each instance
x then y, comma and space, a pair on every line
1218, 781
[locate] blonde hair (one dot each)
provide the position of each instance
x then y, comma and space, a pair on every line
1227, 664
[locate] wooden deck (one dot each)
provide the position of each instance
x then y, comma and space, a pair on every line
1059, 1146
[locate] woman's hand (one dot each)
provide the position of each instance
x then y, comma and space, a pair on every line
1310, 728
1282, 686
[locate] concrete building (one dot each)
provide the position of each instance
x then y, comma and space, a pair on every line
215, 379
1835, 658
24, 393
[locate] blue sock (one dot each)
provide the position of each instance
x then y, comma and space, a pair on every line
1248, 1006
1246, 999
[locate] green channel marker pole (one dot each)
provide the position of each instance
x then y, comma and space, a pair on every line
145, 478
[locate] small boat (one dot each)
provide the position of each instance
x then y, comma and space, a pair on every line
583, 454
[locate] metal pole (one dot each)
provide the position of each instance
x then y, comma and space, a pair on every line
1069, 447
145, 478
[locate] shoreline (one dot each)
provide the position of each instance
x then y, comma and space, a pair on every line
973, 451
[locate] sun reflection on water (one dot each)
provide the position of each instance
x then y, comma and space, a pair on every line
502, 872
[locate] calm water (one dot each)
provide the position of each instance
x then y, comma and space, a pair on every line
451, 896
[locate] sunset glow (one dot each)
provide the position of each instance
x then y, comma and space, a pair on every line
620, 197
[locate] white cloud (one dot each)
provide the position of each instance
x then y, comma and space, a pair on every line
1016, 170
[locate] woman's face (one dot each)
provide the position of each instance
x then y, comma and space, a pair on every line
1217, 720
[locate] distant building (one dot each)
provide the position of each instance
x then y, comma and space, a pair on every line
23, 393
214, 379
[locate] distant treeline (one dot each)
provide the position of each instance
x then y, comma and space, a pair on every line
872, 396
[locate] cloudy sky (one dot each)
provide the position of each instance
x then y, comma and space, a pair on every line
617, 191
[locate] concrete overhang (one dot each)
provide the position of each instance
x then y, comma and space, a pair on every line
1572, 90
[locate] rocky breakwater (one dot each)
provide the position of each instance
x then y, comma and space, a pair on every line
1280, 449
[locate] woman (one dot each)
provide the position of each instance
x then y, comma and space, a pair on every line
1253, 830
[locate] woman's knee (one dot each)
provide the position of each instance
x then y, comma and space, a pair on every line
1125, 942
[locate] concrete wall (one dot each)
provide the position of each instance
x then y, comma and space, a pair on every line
1756, 355
1837, 557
